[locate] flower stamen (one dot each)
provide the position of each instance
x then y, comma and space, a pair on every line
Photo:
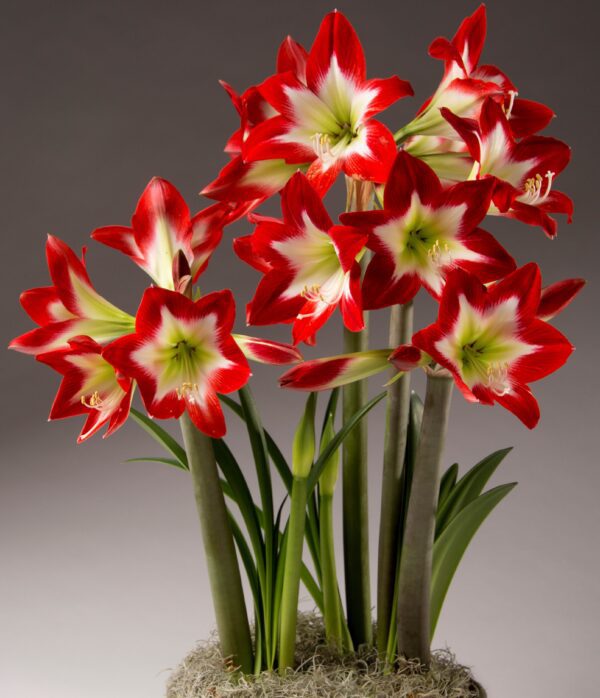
497, 377
533, 188
508, 109
95, 402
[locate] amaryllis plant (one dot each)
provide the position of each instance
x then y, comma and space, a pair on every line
418, 202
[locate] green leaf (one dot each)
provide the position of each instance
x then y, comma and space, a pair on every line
331, 408
243, 498
337, 440
273, 449
452, 543
447, 483
151, 459
303, 448
163, 437
468, 488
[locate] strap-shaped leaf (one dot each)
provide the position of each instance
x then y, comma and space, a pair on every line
163, 437
275, 453
338, 439
243, 498
454, 540
152, 459
447, 484
468, 488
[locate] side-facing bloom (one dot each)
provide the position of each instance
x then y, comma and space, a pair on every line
90, 386
68, 308
161, 228
492, 340
328, 121
253, 182
181, 355
423, 232
524, 170
465, 83
312, 266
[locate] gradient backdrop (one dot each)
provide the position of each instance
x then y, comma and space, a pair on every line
103, 587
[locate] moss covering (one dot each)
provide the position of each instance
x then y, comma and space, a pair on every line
322, 672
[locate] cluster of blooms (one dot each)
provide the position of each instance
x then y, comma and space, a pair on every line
472, 150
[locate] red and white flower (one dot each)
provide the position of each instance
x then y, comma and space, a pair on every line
162, 227
253, 182
181, 355
265, 351
328, 121
524, 170
423, 232
465, 83
69, 308
334, 371
89, 387
312, 266
492, 341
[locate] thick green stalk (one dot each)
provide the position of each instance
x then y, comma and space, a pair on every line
414, 582
291, 575
221, 558
355, 475
398, 409
331, 596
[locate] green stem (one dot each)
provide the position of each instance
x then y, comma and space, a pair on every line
221, 558
291, 575
331, 596
355, 474
415, 565
398, 409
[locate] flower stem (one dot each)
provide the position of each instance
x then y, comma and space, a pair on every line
415, 564
291, 575
221, 558
355, 476
398, 409
331, 597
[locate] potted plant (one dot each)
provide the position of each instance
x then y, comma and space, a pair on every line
416, 201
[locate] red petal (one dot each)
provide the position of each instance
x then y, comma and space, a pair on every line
552, 351
388, 91
160, 202
407, 176
407, 357
348, 242
555, 298
381, 288
265, 143
314, 375
119, 238
528, 117
496, 262
207, 415
336, 39
381, 146
524, 284
292, 57
351, 301
299, 198
43, 305
522, 404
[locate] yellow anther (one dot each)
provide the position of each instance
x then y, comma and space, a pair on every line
185, 389
95, 402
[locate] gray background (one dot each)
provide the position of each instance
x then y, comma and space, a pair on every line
103, 587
